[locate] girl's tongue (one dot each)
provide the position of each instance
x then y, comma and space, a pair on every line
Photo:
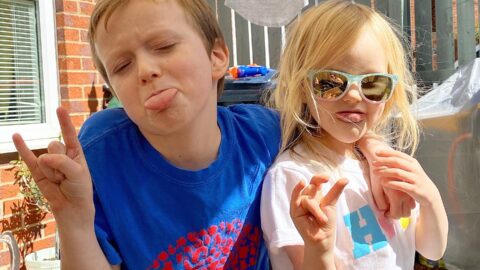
351, 117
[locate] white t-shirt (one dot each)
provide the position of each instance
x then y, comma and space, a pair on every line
365, 239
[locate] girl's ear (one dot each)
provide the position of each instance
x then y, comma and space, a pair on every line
219, 59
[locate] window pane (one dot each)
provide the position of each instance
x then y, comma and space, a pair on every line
20, 87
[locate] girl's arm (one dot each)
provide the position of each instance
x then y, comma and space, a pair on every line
314, 217
401, 172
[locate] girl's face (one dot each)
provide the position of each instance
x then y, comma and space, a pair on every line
346, 120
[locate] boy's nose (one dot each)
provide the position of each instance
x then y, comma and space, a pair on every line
353, 94
147, 69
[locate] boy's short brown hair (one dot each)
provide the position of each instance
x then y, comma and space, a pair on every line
197, 12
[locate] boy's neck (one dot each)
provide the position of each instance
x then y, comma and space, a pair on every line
184, 150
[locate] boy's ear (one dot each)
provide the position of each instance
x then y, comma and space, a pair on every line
219, 59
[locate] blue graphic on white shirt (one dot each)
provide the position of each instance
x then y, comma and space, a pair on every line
365, 231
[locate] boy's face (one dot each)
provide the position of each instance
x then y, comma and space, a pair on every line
159, 68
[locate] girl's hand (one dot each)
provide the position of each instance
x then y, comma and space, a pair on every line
62, 175
314, 214
394, 203
402, 172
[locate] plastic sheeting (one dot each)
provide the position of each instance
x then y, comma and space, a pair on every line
450, 154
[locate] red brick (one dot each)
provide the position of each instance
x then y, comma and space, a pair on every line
86, 8
9, 204
78, 120
70, 6
77, 78
70, 63
71, 92
59, 20
84, 35
87, 64
74, 21
95, 92
9, 191
6, 175
69, 35
73, 49
50, 228
44, 243
82, 106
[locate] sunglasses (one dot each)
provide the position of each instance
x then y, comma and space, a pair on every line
332, 85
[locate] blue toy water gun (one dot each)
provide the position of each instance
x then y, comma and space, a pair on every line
247, 71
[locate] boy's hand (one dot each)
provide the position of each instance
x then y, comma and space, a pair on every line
313, 214
403, 173
62, 175
394, 203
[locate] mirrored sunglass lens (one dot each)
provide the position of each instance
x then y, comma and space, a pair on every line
328, 85
377, 87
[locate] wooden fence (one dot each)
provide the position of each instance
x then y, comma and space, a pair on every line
439, 45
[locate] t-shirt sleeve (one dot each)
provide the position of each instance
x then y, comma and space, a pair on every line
104, 237
277, 225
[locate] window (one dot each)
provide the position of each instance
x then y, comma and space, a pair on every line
28, 73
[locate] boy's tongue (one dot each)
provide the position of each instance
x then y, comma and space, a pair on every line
161, 101
353, 117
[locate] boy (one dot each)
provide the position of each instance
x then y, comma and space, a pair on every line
176, 182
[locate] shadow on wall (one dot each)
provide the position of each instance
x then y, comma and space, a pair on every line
92, 99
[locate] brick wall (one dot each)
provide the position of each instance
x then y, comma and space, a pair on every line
81, 93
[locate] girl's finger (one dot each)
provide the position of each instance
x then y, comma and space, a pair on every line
401, 186
393, 162
394, 174
334, 193
393, 153
296, 200
313, 209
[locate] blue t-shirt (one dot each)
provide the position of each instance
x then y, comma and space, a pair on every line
151, 214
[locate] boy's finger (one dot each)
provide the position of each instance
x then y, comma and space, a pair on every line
62, 164
334, 193
25, 153
56, 147
47, 170
68, 132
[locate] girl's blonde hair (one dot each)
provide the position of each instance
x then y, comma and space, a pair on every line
319, 38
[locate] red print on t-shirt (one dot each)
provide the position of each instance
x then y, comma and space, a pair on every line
224, 246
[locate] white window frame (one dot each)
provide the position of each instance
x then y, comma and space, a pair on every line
37, 136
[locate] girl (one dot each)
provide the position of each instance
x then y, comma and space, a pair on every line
344, 73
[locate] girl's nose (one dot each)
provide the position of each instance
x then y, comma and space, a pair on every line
353, 94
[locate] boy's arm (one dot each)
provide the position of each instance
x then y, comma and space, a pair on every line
405, 174
394, 203
63, 177
314, 217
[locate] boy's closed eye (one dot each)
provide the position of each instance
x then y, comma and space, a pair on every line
120, 67
164, 47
